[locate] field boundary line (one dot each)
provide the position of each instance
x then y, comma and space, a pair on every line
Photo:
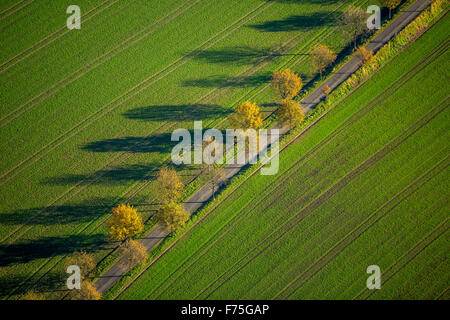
91, 66
18, 56
314, 204
418, 248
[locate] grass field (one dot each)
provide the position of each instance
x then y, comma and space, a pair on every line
85, 119
368, 184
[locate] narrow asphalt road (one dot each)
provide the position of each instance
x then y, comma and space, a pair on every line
350, 67
155, 236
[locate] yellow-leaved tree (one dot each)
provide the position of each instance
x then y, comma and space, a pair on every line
247, 116
83, 260
321, 58
31, 295
286, 83
133, 253
326, 91
290, 113
169, 185
173, 215
125, 222
87, 292
366, 56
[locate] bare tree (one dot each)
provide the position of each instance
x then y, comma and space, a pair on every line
353, 23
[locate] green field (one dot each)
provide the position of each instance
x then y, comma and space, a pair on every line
368, 184
86, 115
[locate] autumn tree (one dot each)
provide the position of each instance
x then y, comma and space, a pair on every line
354, 23
247, 116
286, 83
326, 91
169, 185
290, 113
83, 260
133, 253
173, 215
86, 292
391, 5
321, 58
125, 222
31, 295
366, 56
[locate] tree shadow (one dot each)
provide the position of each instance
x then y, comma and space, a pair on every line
86, 211
158, 143
176, 112
116, 175
54, 281
134, 172
298, 22
24, 251
223, 81
308, 1
242, 55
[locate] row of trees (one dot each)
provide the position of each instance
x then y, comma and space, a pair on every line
126, 222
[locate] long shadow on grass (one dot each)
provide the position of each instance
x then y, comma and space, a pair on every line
222, 81
242, 55
116, 175
53, 282
298, 22
86, 211
134, 172
24, 251
157, 143
176, 112
308, 1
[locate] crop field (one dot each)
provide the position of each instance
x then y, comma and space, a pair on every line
86, 115
365, 185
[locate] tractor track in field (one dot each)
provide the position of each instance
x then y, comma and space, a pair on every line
93, 64
314, 204
409, 256
227, 227
15, 10
4, 66
440, 296
348, 239
263, 59
12, 7
90, 177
